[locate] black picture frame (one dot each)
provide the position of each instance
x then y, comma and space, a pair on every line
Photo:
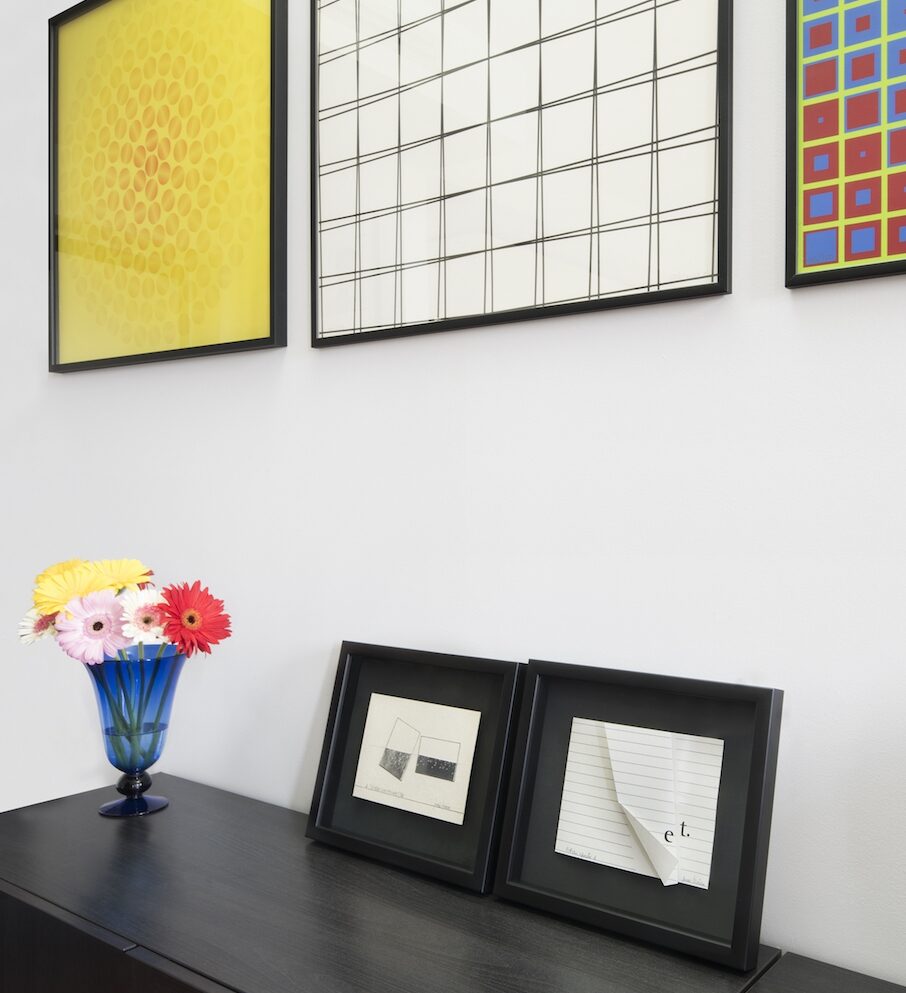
721, 924
463, 855
724, 230
794, 279
277, 336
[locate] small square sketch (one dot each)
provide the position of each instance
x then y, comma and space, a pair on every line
401, 744
401, 765
559, 120
438, 758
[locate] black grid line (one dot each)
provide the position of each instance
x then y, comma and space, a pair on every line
398, 224
704, 136
484, 275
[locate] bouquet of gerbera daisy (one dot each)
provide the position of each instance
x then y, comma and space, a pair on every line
98, 610
134, 639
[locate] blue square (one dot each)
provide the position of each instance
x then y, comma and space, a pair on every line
863, 198
896, 95
808, 48
856, 31
816, 6
821, 162
820, 247
821, 204
862, 240
903, 233
863, 23
896, 16
896, 58
860, 54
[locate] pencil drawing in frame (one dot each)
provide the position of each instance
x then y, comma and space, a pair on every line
415, 759
486, 161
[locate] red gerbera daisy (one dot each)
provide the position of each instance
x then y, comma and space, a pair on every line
193, 620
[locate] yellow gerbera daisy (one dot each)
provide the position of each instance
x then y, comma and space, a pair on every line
120, 574
54, 591
60, 567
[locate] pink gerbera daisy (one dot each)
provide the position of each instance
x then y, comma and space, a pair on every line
91, 627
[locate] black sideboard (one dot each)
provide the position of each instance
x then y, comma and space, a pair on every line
795, 974
221, 893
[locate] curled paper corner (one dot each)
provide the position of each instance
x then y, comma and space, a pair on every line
662, 860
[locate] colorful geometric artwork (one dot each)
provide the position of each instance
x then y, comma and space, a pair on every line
486, 161
167, 183
847, 168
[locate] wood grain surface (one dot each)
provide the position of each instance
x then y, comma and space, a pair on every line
230, 889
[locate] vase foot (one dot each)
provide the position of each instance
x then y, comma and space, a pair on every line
138, 806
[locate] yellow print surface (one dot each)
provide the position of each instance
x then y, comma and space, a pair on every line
163, 176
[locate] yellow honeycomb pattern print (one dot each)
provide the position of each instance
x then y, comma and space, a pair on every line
163, 177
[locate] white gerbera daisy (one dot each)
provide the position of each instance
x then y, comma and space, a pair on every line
34, 626
143, 621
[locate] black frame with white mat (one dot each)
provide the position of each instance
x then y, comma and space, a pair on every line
372, 800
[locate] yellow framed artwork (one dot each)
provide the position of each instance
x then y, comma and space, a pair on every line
168, 180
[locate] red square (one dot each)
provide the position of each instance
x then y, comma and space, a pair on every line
896, 236
821, 163
898, 147
821, 35
820, 194
899, 101
863, 23
822, 120
896, 191
858, 233
903, 56
863, 67
863, 197
821, 77
863, 154
863, 111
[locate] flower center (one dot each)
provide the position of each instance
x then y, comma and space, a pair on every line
191, 620
43, 623
97, 626
147, 620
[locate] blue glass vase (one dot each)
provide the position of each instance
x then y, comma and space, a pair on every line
135, 696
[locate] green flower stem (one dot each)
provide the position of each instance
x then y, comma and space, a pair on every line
127, 696
141, 689
160, 709
145, 702
114, 739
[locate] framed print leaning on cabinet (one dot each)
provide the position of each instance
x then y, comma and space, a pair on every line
415, 759
642, 804
846, 121
168, 180
488, 161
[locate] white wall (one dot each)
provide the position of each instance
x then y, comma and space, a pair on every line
710, 489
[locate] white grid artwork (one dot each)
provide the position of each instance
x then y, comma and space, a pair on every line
479, 157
